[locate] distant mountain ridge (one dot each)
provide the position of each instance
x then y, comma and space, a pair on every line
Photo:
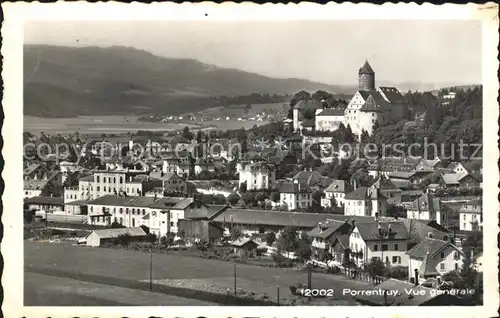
69, 81
61, 81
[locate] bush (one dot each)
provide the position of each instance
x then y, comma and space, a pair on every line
333, 270
398, 272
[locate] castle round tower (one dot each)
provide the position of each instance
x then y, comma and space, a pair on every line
366, 78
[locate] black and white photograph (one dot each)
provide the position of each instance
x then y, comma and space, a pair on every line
246, 162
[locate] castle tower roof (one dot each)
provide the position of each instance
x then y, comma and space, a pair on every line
366, 69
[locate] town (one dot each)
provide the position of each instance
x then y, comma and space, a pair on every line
299, 192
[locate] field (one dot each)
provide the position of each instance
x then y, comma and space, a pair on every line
126, 269
120, 125
239, 110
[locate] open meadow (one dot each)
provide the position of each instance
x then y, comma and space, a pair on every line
127, 269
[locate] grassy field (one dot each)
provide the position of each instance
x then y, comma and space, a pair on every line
133, 266
96, 124
239, 110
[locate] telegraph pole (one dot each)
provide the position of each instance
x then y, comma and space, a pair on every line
309, 278
234, 270
150, 270
278, 295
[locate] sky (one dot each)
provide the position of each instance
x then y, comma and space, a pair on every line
330, 52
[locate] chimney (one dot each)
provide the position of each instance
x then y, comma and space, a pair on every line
379, 228
416, 277
429, 234
390, 230
295, 181
130, 178
320, 227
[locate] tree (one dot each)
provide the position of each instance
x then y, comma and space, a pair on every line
168, 239
235, 233
270, 238
303, 249
248, 198
376, 267
203, 245
288, 240
116, 225
233, 198
187, 134
243, 187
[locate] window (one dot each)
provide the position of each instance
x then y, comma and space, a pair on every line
98, 188
396, 247
456, 255
133, 211
104, 179
456, 266
97, 178
126, 210
442, 254
375, 247
143, 211
171, 223
395, 259
121, 211
442, 266
384, 247
104, 189
91, 209
121, 179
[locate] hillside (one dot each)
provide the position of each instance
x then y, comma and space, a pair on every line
68, 81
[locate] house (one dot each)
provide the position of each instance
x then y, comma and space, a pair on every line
336, 190
245, 247
45, 204
35, 171
365, 201
173, 182
329, 119
384, 240
455, 180
428, 207
433, 258
99, 237
332, 236
305, 110
76, 207
407, 197
256, 174
295, 195
457, 167
429, 164
471, 216
388, 189
313, 179
41, 184
204, 164
161, 215
200, 225
393, 292
389, 165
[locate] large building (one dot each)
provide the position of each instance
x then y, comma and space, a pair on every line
369, 106
256, 174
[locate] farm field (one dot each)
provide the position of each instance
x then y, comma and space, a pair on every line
133, 266
122, 124
239, 110
94, 124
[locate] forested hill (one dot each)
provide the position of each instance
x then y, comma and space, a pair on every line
68, 81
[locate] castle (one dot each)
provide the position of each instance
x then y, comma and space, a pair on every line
369, 105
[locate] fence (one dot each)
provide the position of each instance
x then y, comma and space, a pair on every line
355, 273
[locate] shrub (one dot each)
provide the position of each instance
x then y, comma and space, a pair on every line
398, 272
333, 270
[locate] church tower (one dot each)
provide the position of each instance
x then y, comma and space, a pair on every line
366, 78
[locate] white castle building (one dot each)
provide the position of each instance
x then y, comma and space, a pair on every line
369, 105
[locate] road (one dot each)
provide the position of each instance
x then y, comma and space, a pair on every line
123, 268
